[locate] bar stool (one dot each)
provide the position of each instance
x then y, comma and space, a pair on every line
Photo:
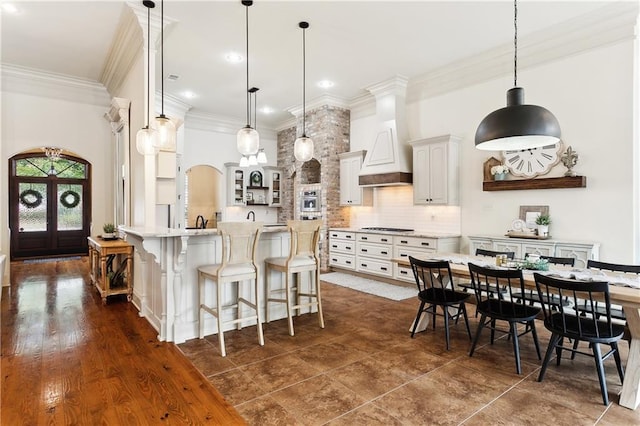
239, 244
303, 257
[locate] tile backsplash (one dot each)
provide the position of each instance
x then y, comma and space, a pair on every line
393, 207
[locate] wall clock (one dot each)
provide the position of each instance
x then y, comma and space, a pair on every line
532, 162
255, 178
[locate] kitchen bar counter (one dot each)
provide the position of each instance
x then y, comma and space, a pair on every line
166, 281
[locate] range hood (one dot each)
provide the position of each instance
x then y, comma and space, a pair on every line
388, 160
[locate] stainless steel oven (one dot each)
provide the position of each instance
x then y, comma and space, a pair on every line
310, 200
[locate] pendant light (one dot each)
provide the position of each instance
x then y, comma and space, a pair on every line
303, 146
517, 126
261, 157
166, 129
146, 138
248, 139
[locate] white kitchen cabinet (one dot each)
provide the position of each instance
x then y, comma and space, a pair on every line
274, 182
373, 254
580, 251
351, 193
342, 249
420, 247
236, 184
436, 170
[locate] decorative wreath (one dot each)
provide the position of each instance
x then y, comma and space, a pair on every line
30, 198
64, 199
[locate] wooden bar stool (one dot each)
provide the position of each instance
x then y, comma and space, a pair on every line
303, 257
239, 246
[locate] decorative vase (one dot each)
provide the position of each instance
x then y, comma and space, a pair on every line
499, 176
543, 230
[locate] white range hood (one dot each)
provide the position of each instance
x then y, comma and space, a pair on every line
388, 160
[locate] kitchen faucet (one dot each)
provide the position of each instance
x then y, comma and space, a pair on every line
251, 212
200, 222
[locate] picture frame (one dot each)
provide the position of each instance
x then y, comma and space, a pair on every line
249, 196
529, 214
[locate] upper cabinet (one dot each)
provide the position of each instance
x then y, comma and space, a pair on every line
253, 186
351, 193
436, 170
236, 179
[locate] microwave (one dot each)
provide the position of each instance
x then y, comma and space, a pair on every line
310, 201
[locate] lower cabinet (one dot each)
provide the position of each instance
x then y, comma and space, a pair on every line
371, 253
580, 251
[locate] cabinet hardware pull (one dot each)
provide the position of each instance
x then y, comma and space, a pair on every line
348, 262
384, 240
334, 246
403, 254
364, 265
383, 268
384, 252
425, 244
349, 237
403, 242
363, 238
334, 260
403, 272
364, 250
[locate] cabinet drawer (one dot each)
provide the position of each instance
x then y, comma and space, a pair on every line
342, 246
379, 251
375, 238
342, 261
428, 243
403, 273
374, 266
342, 235
405, 252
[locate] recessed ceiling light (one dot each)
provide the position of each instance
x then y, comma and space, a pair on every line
10, 8
325, 84
234, 57
189, 94
266, 110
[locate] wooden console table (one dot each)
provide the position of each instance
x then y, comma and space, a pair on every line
111, 264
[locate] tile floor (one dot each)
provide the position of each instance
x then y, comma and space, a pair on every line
364, 369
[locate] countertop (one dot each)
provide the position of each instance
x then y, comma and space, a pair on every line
416, 233
161, 232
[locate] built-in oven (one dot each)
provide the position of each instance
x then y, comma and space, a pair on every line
310, 200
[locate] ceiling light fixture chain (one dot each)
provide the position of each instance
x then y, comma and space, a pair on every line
248, 139
515, 43
303, 146
166, 140
518, 126
146, 138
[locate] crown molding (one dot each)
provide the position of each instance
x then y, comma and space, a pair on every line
125, 48
40, 83
610, 24
220, 124
173, 106
323, 100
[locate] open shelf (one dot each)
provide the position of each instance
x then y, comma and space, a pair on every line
544, 183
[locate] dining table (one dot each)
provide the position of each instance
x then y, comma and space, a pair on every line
624, 290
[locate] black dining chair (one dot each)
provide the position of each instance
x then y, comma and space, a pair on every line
566, 322
531, 296
435, 288
616, 311
501, 307
466, 286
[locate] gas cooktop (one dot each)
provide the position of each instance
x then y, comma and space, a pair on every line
382, 228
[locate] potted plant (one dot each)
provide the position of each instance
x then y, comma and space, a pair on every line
499, 172
543, 221
109, 230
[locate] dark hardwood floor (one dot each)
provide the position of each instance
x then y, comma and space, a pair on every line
67, 359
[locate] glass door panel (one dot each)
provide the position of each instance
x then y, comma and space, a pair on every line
32, 208
69, 207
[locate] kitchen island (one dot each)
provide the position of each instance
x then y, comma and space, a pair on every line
166, 281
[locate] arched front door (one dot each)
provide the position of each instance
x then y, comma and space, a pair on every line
49, 205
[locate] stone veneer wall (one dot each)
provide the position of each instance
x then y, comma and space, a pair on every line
329, 127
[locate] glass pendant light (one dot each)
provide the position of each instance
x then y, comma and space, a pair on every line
303, 146
262, 157
517, 126
166, 140
146, 138
248, 139
244, 161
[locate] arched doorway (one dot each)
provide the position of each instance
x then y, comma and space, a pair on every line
49, 204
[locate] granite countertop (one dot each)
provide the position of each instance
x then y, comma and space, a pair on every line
416, 233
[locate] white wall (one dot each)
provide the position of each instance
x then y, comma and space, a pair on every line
30, 122
591, 95
215, 148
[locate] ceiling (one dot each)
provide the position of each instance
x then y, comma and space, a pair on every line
352, 43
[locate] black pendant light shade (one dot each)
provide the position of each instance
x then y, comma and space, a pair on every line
517, 126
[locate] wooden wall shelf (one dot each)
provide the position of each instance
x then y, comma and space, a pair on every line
544, 183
